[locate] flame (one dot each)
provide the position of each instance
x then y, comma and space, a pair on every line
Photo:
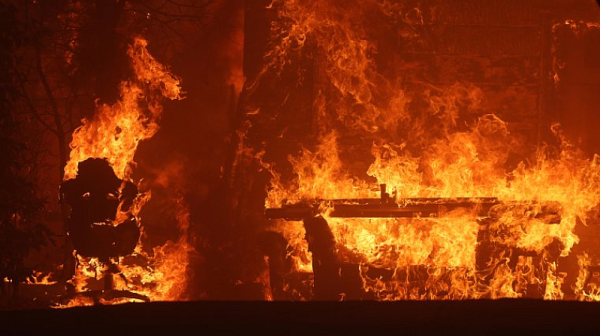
40, 279
169, 273
426, 141
114, 133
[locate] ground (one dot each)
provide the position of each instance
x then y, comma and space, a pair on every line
481, 317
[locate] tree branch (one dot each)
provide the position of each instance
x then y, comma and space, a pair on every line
32, 108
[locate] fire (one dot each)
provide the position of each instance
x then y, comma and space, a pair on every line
429, 142
113, 133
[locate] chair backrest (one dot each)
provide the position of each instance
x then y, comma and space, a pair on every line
94, 196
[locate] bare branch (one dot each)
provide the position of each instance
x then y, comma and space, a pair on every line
32, 108
48, 90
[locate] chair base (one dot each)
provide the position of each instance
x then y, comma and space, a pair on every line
107, 295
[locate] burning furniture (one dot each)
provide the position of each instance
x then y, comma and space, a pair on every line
334, 279
387, 206
100, 224
437, 101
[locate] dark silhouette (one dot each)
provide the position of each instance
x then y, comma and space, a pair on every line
95, 196
326, 266
274, 246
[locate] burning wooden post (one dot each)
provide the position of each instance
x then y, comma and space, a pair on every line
326, 267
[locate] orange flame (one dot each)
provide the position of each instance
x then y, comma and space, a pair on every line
115, 131
114, 134
424, 153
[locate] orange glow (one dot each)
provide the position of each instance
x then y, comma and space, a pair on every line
114, 133
424, 154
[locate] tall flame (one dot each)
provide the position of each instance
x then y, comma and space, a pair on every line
425, 141
114, 133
